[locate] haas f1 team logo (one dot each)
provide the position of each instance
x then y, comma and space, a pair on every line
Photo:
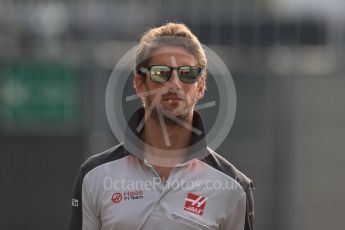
195, 204
127, 195
117, 197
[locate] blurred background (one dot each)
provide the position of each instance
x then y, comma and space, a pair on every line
287, 60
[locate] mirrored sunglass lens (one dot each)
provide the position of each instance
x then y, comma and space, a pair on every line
189, 74
160, 73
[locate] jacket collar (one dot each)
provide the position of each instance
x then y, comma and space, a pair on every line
135, 126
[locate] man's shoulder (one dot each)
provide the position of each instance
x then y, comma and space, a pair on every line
221, 164
115, 153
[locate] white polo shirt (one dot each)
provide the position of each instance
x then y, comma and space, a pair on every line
118, 190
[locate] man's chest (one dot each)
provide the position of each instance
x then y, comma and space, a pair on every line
191, 198
159, 207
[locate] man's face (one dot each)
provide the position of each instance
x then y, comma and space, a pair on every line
173, 96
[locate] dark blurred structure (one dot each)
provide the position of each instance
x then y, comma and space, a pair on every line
287, 60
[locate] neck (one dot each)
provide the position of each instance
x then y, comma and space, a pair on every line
166, 142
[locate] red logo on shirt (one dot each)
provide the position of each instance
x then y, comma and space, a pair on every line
127, 195
195, 204
133, 195
117, 197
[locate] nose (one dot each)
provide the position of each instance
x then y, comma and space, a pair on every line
174, 80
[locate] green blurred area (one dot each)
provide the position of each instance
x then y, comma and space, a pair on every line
39, 96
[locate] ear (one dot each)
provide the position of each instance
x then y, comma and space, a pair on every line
201, 87
139, 84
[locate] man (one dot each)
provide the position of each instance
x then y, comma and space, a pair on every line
174, 171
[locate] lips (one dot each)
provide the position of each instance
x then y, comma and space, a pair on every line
172, 97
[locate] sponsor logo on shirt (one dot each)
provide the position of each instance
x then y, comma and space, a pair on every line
127, 195
75, 203
117, 197
195, 204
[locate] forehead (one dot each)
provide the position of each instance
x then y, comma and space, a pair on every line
172, 55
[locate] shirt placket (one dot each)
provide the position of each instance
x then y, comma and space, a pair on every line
160, 190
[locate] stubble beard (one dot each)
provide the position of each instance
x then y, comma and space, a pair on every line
181, 116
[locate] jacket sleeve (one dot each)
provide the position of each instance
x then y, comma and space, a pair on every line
249, 222
237, 217
83, 214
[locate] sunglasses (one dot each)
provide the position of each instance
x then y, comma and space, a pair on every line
162, 73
